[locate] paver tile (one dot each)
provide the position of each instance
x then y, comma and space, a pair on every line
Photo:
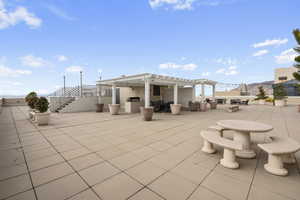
62, 188
14, 185
119, 187
173, 187
98, 173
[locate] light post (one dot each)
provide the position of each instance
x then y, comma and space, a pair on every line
80, 83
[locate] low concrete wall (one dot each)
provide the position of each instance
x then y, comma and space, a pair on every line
56, 102
291, 100
13, 102
81, 104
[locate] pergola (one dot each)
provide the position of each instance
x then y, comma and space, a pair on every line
147, 79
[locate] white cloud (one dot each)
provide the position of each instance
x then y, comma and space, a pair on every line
205, 74
286, 56
187, 67
73, 69
231, 70
33, 61
9, 72
220, 71
42, 91
260, 53
274, 42
100, 71
59, 12
226, 61
186, 4
61, 58
20, 14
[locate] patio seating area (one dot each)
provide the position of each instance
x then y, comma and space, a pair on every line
98, 156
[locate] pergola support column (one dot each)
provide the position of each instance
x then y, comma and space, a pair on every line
175, 94
202, 92
114, 94
147, 93
194, 93
214, 92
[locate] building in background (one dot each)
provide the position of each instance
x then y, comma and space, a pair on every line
284, 74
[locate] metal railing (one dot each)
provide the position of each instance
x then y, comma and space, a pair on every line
87, 91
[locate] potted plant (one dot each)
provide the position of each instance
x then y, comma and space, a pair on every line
30, 103
296, 33
42, 114
147, 113
261, 96
279, 95
114, 109
175, 109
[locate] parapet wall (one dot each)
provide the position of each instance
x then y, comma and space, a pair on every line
13, 102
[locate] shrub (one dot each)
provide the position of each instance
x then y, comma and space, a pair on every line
32, 102
42, 105
261, 93
30, 95
279, 92
269, 100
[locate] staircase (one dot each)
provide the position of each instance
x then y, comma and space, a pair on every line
64, 105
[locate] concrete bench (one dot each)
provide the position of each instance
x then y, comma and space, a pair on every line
233, 108
280, 150
218, 128
230, 146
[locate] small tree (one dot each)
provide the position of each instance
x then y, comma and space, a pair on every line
42, 105
30, 95
32, 102
296, 33
261, 94
279, 92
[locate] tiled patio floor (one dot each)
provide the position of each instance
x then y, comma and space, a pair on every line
92, 156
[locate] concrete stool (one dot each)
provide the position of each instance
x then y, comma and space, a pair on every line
280, 151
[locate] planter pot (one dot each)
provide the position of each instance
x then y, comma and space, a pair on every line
42, 118
175, 109
213, 105
280, 103
114, 109
203, 107
147, 113
30, 113
261, 102
99, 107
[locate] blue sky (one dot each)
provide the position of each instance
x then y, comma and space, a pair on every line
231, 41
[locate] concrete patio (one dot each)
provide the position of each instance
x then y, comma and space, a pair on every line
92, 156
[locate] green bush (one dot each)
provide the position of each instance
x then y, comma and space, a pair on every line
42, 105
32, 101
261, 93
279, 92
30, 95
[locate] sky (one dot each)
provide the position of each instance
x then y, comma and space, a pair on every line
229, 41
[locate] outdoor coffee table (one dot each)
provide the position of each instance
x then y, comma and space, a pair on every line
242, 130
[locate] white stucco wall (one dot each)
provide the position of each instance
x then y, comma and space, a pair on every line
56, 102
81, 104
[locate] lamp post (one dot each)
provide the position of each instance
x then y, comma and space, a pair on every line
80, 83
64, 90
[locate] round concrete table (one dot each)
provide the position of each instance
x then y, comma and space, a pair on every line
242, 132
